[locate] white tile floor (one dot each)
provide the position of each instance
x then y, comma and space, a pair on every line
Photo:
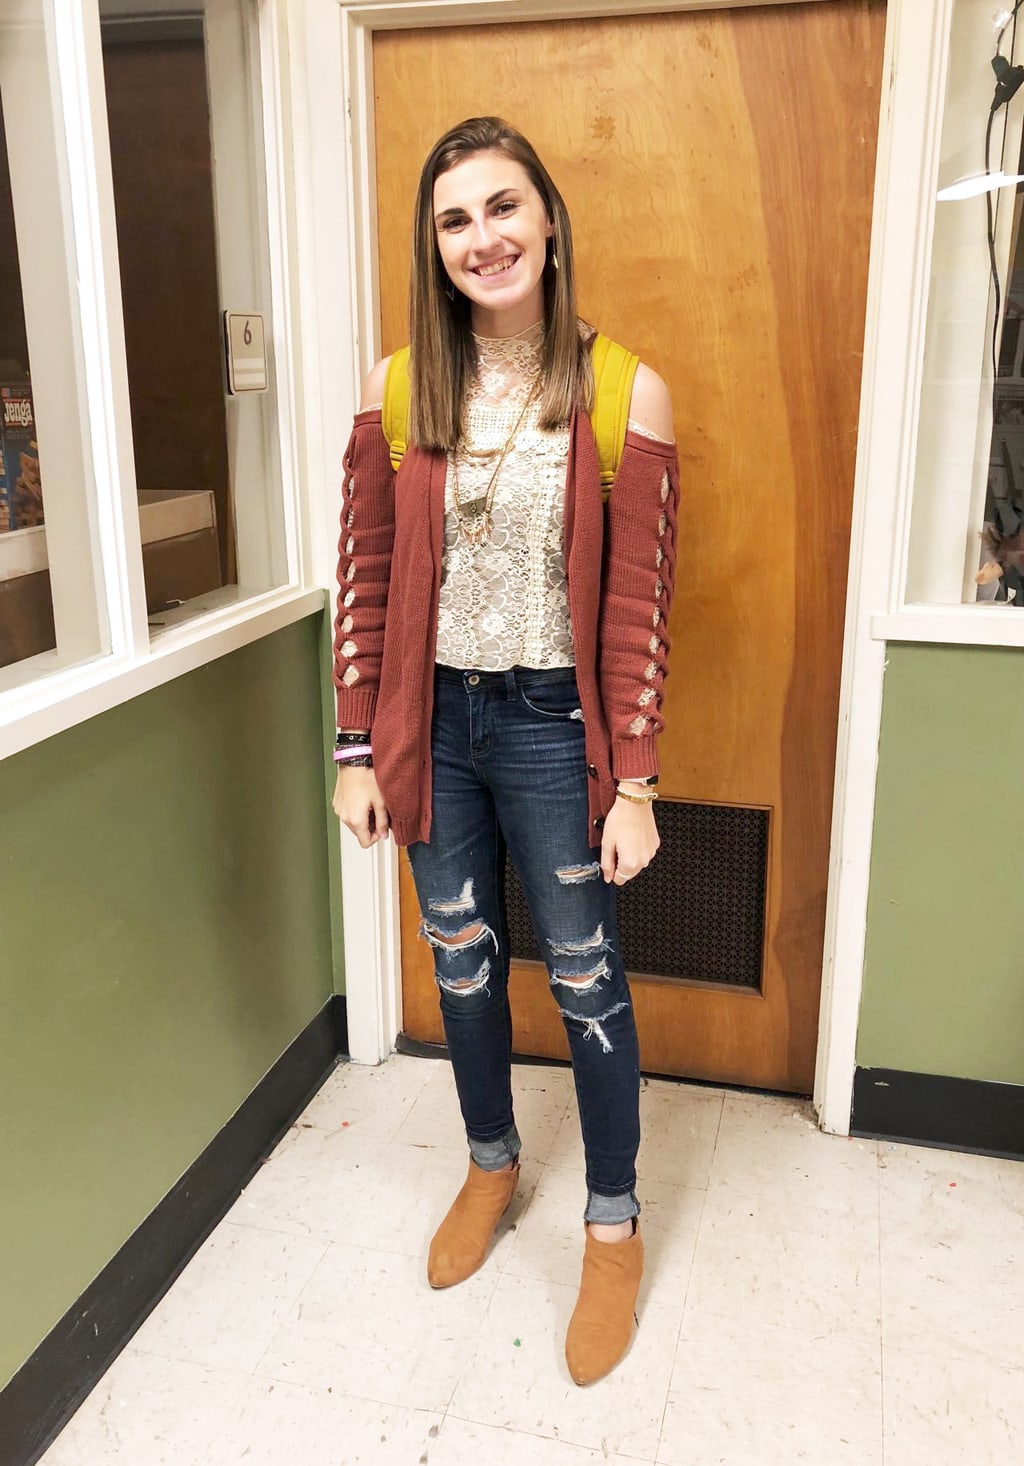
807, 1299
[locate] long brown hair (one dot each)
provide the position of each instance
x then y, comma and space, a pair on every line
443, 357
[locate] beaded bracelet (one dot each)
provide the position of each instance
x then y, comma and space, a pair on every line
362, 761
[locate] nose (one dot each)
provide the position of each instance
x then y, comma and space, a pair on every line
483, 234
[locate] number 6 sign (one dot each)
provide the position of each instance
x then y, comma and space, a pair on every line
246, 352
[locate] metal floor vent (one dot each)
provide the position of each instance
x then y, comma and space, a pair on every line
697, 911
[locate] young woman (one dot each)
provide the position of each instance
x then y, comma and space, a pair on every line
508, 701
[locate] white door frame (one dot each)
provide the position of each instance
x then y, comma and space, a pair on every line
331, 46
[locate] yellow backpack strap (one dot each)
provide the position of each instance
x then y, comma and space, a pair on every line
614, 370
395, 412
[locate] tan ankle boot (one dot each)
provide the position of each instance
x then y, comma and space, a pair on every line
461, 1241
601, 1326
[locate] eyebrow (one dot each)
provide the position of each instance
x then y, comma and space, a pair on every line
493, 199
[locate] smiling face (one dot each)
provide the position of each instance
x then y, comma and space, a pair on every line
492, 232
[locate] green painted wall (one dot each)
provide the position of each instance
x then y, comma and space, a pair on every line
165, 932
944, 966
328, 699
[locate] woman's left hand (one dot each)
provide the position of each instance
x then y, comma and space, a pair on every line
630, 841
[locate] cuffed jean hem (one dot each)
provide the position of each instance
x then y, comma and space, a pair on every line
607, 1210
495, 1155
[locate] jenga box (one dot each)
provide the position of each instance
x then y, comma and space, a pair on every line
21, 490
6, 493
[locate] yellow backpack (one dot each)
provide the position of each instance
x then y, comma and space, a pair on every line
614, 370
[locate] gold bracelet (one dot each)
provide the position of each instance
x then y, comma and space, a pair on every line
636, 798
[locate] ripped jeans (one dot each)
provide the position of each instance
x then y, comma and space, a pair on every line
510, 777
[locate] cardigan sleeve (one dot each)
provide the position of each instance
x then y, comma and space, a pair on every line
364, 570
639, 576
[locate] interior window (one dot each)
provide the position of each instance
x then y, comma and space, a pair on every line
51, 611
179, 79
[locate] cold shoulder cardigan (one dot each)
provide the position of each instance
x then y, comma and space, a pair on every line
620, 566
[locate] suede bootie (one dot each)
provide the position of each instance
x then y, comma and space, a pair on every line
461, 1241
601, 1326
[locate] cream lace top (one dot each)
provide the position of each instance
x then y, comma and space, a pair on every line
504, 603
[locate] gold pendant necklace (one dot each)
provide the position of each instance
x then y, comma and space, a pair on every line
475, 520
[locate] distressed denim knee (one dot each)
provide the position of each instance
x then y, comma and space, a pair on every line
588, 988
463, 946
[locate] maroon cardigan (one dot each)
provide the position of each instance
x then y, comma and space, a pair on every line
620, 571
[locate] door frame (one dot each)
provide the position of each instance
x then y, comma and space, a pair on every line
331, 65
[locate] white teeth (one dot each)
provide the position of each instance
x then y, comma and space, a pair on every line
497, 269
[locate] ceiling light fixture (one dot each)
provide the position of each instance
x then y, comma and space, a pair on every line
973, 185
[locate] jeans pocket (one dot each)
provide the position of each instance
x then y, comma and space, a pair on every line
558, 698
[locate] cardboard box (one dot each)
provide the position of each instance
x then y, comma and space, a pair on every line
180, 552
21, 489
26, 617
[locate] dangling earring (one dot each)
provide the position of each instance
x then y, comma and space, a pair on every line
554, 257
449, 290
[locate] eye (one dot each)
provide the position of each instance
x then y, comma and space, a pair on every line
507, 206
453, 222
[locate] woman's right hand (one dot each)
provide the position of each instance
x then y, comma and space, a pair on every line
359, 805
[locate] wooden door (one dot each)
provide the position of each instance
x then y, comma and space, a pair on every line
718, 168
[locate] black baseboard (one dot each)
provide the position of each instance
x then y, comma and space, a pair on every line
52, 1383
933, 1109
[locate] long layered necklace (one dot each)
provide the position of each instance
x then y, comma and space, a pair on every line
475, 517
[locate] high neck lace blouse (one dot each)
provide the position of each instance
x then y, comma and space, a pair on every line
504, 602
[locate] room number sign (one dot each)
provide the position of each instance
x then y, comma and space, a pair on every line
246, 352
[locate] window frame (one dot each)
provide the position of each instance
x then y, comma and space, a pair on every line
904, 244
40, 696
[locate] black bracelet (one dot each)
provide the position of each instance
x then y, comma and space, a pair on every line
363, 761
344, 740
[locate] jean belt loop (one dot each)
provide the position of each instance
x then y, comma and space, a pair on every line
510, 683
